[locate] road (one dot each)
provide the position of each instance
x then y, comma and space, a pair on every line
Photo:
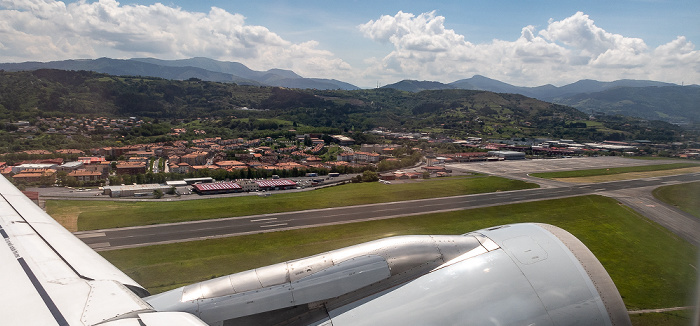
110, 239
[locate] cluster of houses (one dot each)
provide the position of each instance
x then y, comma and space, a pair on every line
85, 169
76, 125
185, 157
215, 153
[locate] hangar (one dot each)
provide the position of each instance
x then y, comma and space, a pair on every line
508, 155
134, 190
278, 184
217, 188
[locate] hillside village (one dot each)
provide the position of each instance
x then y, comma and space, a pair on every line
307, 154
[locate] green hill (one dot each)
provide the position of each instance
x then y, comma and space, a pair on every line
450, 112
677, 104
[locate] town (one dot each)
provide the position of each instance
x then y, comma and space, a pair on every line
172, 167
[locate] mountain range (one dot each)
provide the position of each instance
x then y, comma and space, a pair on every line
200, 68
639, 98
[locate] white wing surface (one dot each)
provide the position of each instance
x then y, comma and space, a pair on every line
52, 278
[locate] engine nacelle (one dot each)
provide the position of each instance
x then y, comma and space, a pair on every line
517, 274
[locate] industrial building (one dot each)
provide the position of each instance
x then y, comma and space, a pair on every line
134, 190
191, 181
508, 155
217, 188
279, 184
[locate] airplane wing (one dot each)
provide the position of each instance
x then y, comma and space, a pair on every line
521, 274
52, 278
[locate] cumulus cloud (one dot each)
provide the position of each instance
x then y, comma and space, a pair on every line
565, 51
422, 47
45, 30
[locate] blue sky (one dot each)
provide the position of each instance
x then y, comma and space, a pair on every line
365, 42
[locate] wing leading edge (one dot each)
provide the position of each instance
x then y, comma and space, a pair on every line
52, 278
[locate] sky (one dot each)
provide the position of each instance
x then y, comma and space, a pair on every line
370, 42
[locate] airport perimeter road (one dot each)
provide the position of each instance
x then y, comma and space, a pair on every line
109, 239
641, 200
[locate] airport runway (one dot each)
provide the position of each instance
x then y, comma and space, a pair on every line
110, 239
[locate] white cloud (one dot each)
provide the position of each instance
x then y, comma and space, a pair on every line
45, 30
565, 51
422, 47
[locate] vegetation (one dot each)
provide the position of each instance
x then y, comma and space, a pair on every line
672, 318
230, 111
643, 102
613, 171
633, 250
684, 196
92, 213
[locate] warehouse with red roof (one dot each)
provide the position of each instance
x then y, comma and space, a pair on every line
217, 188
278, 184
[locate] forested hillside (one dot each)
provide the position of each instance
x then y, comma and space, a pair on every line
450, 112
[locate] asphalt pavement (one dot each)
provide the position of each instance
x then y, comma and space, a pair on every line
110, 239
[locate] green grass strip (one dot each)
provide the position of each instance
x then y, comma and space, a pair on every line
671, 318
611, 171
111, 214
650, 266
685, 196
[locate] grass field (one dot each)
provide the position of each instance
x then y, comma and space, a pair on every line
614, 171
92, 215
672, 318
684, 196
650, 266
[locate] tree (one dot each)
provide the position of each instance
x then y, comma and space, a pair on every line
157, 194
369, 176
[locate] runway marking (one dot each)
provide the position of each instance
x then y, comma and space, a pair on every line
600, 189
99, 245
90, 235
273, 225
264, 219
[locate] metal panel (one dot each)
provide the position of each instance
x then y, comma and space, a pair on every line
245, 281
110, 300
472, 253
345, 277
208, 289
405, 253
301, 268
273, 274
453, 246
485, 290
191, 292
525, 249
244, 304
486, 242
560, 280
598, 277
170, 318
